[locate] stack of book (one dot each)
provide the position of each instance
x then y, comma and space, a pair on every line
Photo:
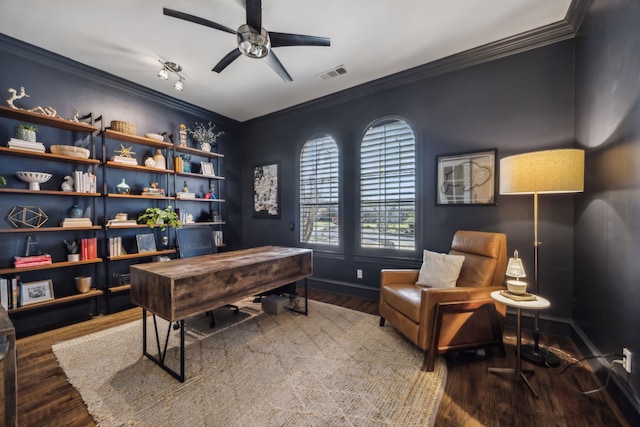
26, 145
131, 161
76, 222
89, 248
185, 195
121, 223
31, 261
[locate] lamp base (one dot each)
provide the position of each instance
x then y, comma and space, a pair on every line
541, 357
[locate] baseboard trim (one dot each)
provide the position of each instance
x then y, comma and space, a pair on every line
343, 288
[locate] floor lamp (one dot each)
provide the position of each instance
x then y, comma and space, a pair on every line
541, 172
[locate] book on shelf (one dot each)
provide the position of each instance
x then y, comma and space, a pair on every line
31, 261
130, 161
185, 195
76, 222
84, 182
523, 297
121, 223
10, 292
25, 145
115, 247
89, 248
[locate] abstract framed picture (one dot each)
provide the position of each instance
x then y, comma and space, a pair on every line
33, 292
266, 190
146, 243
466, 179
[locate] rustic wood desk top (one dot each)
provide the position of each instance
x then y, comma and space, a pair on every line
178, 289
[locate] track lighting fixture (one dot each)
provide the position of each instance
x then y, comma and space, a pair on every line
173, 68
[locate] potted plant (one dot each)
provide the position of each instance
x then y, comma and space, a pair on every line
157, 216
26, 132
204, 136
3, 181
72, 248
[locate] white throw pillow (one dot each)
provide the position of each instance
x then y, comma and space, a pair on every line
439, 270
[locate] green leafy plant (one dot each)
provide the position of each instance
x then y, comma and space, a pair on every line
71, 246
3, 181
28, 127
166, 216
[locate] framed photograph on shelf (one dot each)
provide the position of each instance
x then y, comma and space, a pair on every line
466, 179
33, 292
266, 190
207, 169
146, 243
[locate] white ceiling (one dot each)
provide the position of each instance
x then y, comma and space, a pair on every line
371, 38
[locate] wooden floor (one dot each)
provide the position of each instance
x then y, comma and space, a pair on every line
472, 396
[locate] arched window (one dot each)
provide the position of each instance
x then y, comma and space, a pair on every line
319, 192
388, 186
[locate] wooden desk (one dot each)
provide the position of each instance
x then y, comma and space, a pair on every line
177, 289
8, 363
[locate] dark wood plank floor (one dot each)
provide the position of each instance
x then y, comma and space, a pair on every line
472, 396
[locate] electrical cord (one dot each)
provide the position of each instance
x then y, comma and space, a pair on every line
575, 362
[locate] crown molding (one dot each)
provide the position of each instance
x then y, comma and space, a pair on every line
528, 40
31, 52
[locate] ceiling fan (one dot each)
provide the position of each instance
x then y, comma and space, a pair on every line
253, 40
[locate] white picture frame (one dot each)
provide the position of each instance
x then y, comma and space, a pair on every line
35, 292
146, 243
207, 169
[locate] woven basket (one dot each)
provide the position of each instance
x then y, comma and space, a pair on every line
124, 127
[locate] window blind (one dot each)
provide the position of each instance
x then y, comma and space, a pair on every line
388, 186
319, 192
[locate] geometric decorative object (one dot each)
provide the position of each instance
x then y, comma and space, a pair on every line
125, 152
27, 216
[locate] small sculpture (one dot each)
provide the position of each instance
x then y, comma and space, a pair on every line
125, 152
67, 185
27, 216
150, 163
15, 96
185, 187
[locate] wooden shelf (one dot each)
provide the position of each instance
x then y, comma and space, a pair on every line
93, 293
41, 119
198, 152
203, 223
201, 200
199, 175
47, 192
135, 139
138, 168
139, 196
142, 255
61, 264
46, 229
46, 156
116, 289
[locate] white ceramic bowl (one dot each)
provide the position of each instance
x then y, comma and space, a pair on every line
34, 178
155, 136
70, 150
516, 287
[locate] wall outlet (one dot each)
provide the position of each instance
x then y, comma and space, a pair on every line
626, 359
359, 273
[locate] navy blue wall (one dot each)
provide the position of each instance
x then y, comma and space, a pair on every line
607, 228
516, 104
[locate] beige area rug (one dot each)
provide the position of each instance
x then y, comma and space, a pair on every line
336, 367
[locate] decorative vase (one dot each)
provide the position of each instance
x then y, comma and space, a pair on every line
123, 187
73, 257
161, 162
83, 284
183, 136
205, 146
25, 134
75, 211
186, 167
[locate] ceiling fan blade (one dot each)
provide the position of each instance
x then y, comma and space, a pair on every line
228, 59
254, 14
284, 39
277, 66
196, 20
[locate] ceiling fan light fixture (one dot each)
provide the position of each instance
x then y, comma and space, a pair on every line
253, 44
163, 73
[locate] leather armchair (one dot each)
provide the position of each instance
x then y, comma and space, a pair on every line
462, 317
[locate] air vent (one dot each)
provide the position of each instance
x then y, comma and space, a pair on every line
335, 72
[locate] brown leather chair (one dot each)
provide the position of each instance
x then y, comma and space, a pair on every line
458, 318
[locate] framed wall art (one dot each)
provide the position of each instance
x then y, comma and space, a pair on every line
207, 169
266, 190
466, 179
146, 242
33, 292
